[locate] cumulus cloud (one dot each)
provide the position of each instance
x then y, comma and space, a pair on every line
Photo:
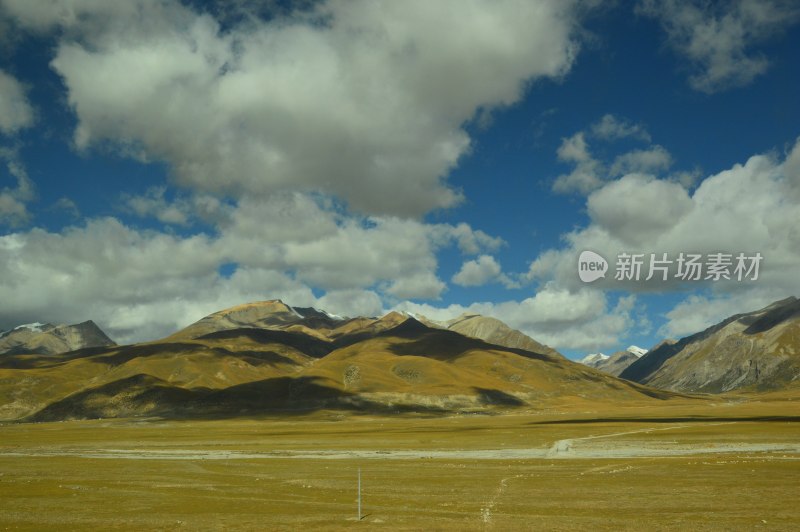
611, 127
749, 209
180, 211
637, 208
718, 38
587, 174
307, 144
478, 272
590, 174
653, 160
16, 112
14, 199
142, 284
362, 100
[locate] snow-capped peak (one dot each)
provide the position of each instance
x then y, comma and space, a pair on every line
594, 357
636, 350
294, 311
331, 316
35, 326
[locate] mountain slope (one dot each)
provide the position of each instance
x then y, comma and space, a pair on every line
269, 357
496, 332
593, 359
758, 350
47, 339
617, 362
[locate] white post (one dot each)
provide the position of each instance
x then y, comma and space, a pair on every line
359, 494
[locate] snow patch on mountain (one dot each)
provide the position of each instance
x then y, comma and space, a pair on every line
593, 358
636, 350
34, 327
332, 316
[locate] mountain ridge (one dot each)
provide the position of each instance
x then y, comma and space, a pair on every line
267, 356
756, 350
48, 339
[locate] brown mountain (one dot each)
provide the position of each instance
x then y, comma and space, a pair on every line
267, 357
616, 363
758, 350
47, 339
495, 331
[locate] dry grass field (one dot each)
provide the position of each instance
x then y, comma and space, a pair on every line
719, 464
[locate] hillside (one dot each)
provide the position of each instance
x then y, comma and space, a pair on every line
47, 339
496, 332
615, 363
267, 357
757, 351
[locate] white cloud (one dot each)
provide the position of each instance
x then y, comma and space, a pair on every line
16, 112
374, 116
153, 203
143, 284
421, 285
652, 160
67, 206
588, 172
611, 127
478, 272
749, 208
471, 241
181, 211
717, 38
351, 303
638, 209
13, 200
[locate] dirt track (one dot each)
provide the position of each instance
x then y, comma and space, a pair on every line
589, 447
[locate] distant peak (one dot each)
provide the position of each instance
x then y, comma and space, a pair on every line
636, 350
409, 327
593, 357
35, 326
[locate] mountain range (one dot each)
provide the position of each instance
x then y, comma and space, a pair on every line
269, 357
615, 363
758, 351
47, 339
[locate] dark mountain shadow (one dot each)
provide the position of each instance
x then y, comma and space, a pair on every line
304, 343
33, 361
774, 317
143, 395
130, 397
120, 355
444, 345
497, 398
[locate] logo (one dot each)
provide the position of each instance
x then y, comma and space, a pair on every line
665, 267
591, 266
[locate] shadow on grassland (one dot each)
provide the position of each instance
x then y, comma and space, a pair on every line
147, 396
444, 345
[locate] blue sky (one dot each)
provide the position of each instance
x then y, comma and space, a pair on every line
163, 160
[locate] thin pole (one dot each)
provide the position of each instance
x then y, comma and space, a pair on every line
359, 494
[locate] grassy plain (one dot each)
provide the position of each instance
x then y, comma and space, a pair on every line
711, 464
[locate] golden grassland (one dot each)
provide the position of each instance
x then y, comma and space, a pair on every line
262, 473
